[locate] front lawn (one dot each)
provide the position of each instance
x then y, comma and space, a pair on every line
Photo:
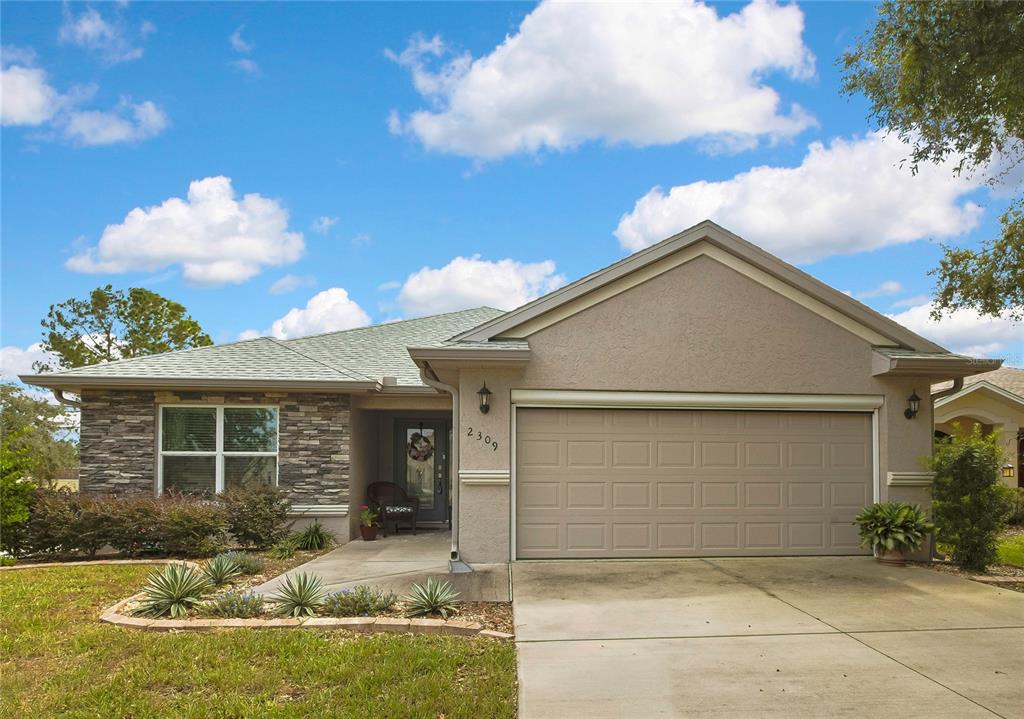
57, 659
1011, 549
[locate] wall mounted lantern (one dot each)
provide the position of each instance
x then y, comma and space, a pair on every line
485, 399
913, 404
1008, 470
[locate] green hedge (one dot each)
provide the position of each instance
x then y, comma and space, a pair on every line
64, 523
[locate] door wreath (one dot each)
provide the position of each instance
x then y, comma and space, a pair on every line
420, 448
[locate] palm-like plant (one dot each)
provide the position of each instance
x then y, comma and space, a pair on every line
172, 591
221, 569
431, 597
300, 595
893, 526
314, 538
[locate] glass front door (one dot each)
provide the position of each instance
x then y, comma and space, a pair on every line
421, 465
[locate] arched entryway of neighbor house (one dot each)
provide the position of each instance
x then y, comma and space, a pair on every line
963, 421
405, 446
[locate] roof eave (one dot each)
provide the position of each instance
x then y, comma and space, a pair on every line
75, 384
944, 367
469, 356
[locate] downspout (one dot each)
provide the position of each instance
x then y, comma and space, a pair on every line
429, 377
59, 396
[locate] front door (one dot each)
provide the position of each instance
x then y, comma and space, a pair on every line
421, 465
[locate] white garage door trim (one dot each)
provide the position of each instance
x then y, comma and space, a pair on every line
605, 399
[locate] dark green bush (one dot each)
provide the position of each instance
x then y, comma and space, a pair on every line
1016, 517
360, 601
969, 504
191, 526
257, 514
51, 525
314, 538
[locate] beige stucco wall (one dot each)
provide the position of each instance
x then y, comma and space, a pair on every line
700, 327
992, 414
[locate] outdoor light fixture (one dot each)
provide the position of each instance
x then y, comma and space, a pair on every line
1008, 470
913, 404
485, 399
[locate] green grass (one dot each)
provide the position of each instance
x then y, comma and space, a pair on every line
57, 659
1011, 550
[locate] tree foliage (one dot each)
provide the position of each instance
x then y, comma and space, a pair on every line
946, 77
44, 432
114, 324
969, 503
16, 491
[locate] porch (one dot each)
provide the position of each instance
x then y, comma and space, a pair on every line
396, 562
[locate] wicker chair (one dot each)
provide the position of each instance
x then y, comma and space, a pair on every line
392, 504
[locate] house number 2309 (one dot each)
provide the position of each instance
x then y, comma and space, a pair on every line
481, 437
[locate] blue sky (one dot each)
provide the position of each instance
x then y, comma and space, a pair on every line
526, 140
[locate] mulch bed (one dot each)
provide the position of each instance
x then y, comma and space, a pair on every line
996, 574
496, 616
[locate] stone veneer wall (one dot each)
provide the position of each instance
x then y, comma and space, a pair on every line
118, 440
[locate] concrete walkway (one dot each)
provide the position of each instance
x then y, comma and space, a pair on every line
780, 637
398, 561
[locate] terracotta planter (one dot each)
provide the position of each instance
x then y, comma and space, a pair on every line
368, 533
891, 557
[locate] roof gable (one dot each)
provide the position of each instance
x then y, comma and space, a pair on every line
704, 239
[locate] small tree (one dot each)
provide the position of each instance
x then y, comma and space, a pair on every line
970, 505
16, 492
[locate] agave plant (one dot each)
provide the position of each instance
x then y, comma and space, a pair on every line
431, 597
314, 538
893, 526
221, 569
172, 591
300, 595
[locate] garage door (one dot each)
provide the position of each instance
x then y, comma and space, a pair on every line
672, 483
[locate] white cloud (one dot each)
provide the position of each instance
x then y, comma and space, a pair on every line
246, 66
966, 331
889, 287
15, 361
216, 237
846, 197
471, 282
127, 123
290, 283
326, 311
26, 98
362, 239
110, 39
323, 224
239, 43
389, 285
637, 73
911, 301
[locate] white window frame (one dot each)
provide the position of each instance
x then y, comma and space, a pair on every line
218, 452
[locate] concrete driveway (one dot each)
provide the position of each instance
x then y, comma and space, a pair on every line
786, 637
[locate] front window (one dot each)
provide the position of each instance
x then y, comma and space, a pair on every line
212, 448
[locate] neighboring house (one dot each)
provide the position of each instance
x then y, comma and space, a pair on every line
995, 402
700, 397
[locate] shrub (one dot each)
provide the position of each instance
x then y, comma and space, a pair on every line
284, 549
431, 597
16, 496
300, 595
221, 569
969, 504
247, 563
314, 538
233, 605
360, 601
1017, 509
893, 526
51, 524
172, 591
257, 514
134, 526
190, 526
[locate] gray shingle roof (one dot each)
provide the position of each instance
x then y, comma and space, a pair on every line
359, 355
1010, 379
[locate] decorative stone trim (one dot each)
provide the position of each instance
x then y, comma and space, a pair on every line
368, 625
318, 510
485, 476
910, 479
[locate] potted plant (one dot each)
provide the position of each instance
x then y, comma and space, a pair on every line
893, 530
367, 523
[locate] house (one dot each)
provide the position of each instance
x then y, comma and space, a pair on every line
993, 401
698, 398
